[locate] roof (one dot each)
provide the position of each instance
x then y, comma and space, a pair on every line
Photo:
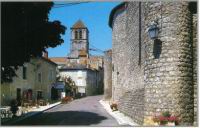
79, 24
48, 60
114, 10
95, 58
72, 66
76, 67
58, 59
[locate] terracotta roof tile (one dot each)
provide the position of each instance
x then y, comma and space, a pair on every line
58, 59
48, 60
79, 24
95, 58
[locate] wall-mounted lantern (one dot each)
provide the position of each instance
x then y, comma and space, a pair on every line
153, 31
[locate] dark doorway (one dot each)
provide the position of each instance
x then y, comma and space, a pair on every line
30, 93
18, 96
39, 95
54, 93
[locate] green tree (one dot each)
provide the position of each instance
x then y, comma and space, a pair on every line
26, 32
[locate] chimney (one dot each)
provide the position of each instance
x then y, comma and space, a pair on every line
45, 54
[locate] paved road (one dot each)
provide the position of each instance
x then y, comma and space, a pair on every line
86, 112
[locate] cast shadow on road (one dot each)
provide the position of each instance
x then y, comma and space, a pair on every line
63, 118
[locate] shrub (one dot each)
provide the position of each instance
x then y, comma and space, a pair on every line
166, 114
66, 99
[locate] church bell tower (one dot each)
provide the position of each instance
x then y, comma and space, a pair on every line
79, 40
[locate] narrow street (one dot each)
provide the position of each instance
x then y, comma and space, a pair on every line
85, 111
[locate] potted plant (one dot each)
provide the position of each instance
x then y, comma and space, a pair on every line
166, 119
113, 106
66, 99
173, 120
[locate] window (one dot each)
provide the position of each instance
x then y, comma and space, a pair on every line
80, 34
76, 34
24, 72
39, 77
80, 82
80, 73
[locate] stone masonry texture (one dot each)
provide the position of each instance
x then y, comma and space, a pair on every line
108, 75
195, 67
128, 61
170, 75
119, 37
153, 76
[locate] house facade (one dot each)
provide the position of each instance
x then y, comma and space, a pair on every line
45, 78
33, 81
24, 81
154, 76
86, 80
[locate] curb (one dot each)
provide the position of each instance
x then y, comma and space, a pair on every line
29, 115
120, 117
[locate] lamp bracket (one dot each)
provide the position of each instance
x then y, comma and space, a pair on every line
155, 22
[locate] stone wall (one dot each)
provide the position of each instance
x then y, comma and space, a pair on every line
91, 80
118, 56
94, 82
108, 75
195, 67
128, 61
153, 76
168, 70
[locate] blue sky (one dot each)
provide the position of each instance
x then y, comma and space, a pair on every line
95, 16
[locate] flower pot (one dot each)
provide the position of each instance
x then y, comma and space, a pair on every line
114, 109
168, 124
171, 124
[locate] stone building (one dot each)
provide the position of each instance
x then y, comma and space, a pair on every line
153, 76
33, 81
86, 71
